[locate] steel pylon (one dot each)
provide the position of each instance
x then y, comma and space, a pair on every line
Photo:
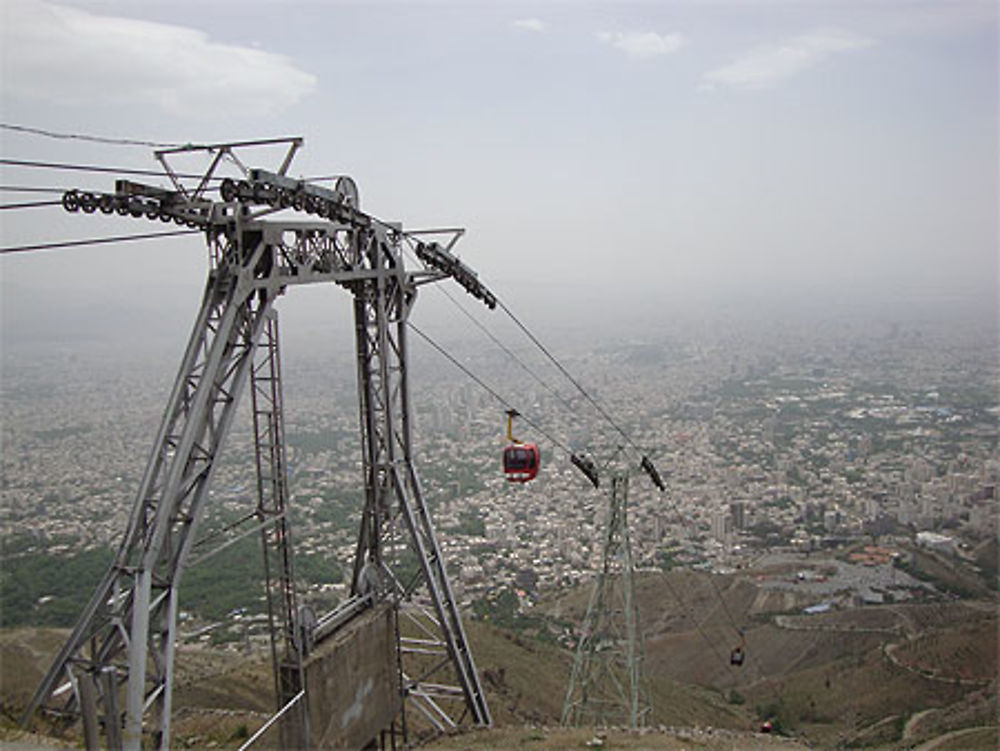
607, 685
116, 669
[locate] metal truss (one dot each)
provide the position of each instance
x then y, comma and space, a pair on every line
123, 643
271, 515
606, 686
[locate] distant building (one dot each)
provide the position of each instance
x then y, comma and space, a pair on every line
737, 510
883, 524
831, 520
934, 541
722, 525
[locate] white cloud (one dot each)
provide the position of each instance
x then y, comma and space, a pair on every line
764, 66
530, 24
642, 43
58, 53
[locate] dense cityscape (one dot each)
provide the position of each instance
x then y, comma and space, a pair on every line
794, 439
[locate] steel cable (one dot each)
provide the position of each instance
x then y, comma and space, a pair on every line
96, 241
567, 374
82, 137
29, 205
31, 189
454, 361
506, 349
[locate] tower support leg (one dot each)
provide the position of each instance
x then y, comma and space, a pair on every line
287, 646
395, 520
133, 612
606, 683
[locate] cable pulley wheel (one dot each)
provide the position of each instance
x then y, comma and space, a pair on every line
348, 190
263, 194
71, 201
227, 190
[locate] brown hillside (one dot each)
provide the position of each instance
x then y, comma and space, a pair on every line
828, 676
568, 739
872, 677
966, 652
25, 656
526, 682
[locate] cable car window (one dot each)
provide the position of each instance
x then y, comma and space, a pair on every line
517, 458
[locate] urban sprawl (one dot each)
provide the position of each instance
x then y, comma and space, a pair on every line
780, 440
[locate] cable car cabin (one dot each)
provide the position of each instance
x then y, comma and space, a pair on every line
739, 652
736, 656
520, 462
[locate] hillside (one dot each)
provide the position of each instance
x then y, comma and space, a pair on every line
570, 739
854, 676
878, 676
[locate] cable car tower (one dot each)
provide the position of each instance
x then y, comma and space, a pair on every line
607, 685
116, 670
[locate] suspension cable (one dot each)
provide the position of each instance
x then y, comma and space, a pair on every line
29, 205
96, 241
698, 626
82, 137
31, 189
510, 353
725, 607
486, 386
566, 373
506, 349
92, 168
686, 522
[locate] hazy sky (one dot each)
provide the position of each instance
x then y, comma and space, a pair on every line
632, 156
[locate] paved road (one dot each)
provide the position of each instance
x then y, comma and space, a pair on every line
908, 728
990, 738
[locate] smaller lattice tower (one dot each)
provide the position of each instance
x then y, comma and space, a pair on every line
607, 685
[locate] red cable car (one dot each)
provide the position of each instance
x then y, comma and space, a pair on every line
520, 460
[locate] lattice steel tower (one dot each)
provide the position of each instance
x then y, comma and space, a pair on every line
607, 685
116, 669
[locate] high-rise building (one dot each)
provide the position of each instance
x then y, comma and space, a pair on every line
722, 525
737, 510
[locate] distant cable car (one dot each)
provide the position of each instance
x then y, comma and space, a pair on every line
520, 460
736, 656
739, 652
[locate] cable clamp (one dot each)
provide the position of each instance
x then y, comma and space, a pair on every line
588, 468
